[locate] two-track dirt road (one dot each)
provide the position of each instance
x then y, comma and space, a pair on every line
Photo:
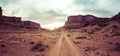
65, 47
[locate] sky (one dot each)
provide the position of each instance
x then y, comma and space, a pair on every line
53, 13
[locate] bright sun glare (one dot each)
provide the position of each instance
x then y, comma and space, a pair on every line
54, 25
54, 4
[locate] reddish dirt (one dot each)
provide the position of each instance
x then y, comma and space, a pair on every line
65, 47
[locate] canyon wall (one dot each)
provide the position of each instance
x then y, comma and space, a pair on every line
79, 21
7, 22
116, 17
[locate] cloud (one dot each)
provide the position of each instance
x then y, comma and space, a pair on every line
5, 2
86, 2
25, 9
98, 12
104, 8
48, 12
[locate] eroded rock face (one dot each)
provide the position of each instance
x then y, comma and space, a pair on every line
13, 21
7, 22
78, 18
116, 17
83, 21
0, 11
10, 22
30, 25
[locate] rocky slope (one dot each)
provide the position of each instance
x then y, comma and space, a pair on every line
99, 39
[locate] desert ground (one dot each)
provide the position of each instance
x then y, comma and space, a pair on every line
24, 43
80, 36
88, 41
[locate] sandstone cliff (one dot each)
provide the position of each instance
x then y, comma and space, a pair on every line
80, 21
0, 11
7, 22
116, 17
30, 25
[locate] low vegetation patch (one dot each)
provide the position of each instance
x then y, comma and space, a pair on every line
81, 37
2, 45
117, 47
39, 47
89, 48
32, 42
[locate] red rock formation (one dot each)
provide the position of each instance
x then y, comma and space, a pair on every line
75, 21
0, 11
13, 21
83, 21
78, 18
116, 17
102, 21
30, 25
7, 22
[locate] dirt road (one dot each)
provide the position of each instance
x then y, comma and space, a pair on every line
65, 47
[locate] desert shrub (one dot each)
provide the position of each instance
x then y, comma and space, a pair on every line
81, 37
39, 47
32, 42
106, 35
83, 30
90, 31
2, 45
4, 51
39, 35
117, 47
68, 35
116, 34
97, 29
77, 42
52, 34
89, 48
102, 24
114, 26
85, 25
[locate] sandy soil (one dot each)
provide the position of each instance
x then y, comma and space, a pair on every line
65, 47
26, 43
89, 41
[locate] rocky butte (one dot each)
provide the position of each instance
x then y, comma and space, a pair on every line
79, 21
8, 22
116, 17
